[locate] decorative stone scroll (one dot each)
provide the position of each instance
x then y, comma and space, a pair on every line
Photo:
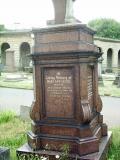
87, 114
99, 104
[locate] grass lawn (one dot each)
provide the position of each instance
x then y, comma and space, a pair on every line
12, 132
22, 84
109, 89
114, 150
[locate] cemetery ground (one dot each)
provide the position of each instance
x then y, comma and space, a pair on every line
16, 80
13, 129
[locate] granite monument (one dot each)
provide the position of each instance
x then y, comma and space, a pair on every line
67, 105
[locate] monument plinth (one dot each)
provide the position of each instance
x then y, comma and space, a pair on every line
67, 106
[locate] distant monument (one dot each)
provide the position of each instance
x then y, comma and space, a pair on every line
66, 109
10, 62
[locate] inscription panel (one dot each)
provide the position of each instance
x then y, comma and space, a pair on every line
59, 92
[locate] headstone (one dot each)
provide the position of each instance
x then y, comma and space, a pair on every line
24, 112
67, 105
10, 62
117, 79
4, 153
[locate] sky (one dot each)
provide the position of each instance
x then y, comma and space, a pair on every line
34, 13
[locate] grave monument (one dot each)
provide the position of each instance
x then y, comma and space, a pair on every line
10, 62
67, 106
4, 153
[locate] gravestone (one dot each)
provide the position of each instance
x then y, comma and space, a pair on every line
117, 79
67, 106
4, 153
10, 62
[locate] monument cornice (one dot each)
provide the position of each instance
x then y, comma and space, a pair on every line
63, 27
68, 53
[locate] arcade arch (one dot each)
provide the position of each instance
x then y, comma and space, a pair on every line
109, 59
24, 59
4, 47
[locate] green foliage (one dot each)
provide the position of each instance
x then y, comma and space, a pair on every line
13, 134
6, 116
109, 88
24, 84
114, 150
65, 152
108, 28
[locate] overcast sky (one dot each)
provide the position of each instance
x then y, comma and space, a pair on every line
34, 13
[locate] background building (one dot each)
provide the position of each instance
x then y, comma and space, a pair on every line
16, 45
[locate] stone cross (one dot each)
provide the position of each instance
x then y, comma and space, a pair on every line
63, 11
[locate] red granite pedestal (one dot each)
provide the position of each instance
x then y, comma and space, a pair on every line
67, 105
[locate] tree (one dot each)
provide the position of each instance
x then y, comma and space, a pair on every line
108, 28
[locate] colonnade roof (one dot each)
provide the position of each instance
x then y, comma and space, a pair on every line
8, 32
107, 39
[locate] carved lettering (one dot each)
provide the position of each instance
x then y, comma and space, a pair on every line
58, 92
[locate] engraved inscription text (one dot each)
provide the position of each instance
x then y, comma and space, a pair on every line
59, 92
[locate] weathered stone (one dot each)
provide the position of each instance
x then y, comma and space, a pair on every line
4, 153
25, 112
15, 39
10, 61
63, 11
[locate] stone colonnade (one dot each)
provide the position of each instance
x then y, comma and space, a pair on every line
111, 53
22, 41
15, 41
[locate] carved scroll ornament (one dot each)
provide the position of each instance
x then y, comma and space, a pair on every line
34, 113
99, 104
87, 114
